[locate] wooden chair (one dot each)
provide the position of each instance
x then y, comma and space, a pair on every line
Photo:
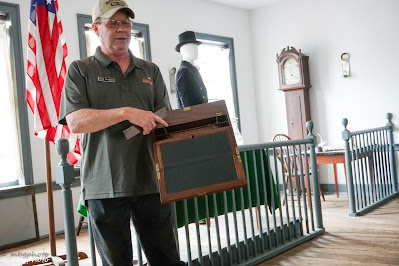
287, 159
280, 137
81, 222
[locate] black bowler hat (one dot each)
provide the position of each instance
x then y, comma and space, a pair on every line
186, 37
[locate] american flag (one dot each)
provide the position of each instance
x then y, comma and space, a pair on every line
46, 72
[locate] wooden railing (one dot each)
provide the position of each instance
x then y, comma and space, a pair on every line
249, 225
370, 167
275, 212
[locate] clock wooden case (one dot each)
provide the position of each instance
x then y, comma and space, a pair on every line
293, 69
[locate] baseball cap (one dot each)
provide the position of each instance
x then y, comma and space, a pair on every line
107, 8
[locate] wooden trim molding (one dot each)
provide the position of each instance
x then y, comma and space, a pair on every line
18, 191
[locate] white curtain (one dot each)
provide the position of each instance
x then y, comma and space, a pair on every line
136, 45
92, 41
10, 155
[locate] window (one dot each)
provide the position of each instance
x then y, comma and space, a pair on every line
217, 67
88, 40
15, 155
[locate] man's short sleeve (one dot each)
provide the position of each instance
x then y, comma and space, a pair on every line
74, 95
161, 96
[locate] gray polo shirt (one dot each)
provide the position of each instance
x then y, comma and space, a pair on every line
111, 165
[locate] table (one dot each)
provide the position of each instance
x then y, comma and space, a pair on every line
333, 157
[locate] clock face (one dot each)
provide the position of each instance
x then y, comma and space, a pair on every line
291, 73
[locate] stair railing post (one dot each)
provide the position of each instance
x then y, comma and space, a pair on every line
392, 154
346, 135
65, 176
315, 177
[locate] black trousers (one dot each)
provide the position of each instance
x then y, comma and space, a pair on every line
110, 221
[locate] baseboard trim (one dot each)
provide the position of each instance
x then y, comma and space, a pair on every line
39, 188
20, 243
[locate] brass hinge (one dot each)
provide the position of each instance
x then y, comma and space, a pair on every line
187, 108
158, 173
238, 155
219, 114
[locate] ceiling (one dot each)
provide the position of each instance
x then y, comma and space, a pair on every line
245, 4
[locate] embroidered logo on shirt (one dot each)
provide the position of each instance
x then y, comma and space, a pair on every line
105, 79
147, 80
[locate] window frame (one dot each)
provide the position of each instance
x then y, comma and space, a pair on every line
229, 42
12, 12
139, 27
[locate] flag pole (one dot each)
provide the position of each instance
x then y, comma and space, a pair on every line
49, 186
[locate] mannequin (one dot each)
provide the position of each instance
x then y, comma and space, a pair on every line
190, 88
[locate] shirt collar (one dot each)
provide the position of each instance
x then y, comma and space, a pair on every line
105, 61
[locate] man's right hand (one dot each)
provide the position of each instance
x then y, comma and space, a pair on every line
147, 120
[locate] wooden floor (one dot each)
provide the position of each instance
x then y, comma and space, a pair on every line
372, 239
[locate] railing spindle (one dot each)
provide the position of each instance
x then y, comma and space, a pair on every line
307, 158
200, 259
285, 184
363, 163
381, 154
254, 244
369, 169
304, 192
360, 189
233, 200
386, 162
395, 185
215, 209
265, 195
243, 219
226, 223
278, 189
291, 189
187, 231
257, 208
208, 230
378, 163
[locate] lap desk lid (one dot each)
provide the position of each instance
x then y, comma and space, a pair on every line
197, 153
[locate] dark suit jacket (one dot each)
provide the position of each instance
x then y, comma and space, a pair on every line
190, 89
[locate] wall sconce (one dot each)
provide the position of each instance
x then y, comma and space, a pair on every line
345, 65
172, 81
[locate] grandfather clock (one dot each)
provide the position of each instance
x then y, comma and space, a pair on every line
293, 70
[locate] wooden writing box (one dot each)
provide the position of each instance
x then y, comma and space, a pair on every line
197, 153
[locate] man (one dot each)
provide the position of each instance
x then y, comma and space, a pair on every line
103, 95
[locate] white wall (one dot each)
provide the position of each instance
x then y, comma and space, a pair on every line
166, 19
366, 29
